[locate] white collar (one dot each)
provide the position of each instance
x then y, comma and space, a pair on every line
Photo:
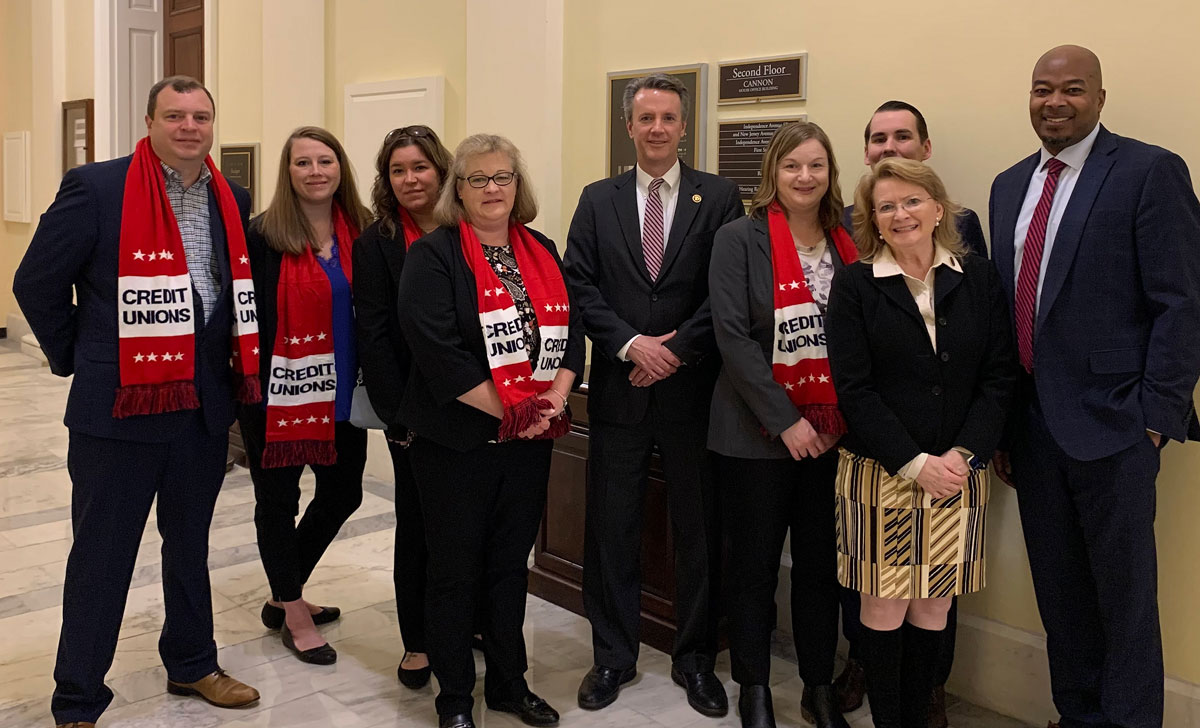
885, 263
670, 179
1075, 155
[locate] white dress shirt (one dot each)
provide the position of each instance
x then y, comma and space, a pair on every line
885, 265
669, 194
1074, 157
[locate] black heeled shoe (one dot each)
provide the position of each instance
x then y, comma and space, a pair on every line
755, 707
819, 706
273, 617
413, 679
323, 655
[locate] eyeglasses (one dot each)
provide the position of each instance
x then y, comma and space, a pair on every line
910, 205
417, 131
479, 181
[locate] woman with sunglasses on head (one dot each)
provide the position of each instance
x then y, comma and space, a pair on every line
410, 170
496, 349
300, 253
920, 342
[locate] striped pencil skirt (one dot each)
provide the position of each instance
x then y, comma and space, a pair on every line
895, 541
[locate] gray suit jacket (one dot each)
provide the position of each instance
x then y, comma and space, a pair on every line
747, 399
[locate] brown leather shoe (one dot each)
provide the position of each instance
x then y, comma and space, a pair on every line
851, 686
218, 689
937, 708
76, 724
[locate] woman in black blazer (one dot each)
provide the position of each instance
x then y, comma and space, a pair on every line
410, 169
300, 252
496, 348
774, 417
923, 361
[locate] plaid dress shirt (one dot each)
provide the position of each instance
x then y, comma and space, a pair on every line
191, 212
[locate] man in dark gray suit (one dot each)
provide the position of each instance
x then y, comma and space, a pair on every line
637, 265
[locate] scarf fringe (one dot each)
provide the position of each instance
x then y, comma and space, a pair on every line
249, 389
825, 418
152, 399
299, 452
521, 416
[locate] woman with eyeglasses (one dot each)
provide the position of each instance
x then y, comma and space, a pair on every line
924, 365
774, 417
496, 348
410, 169
301, 255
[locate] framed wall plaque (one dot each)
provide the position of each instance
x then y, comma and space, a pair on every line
740, 148
78, 131
778, 78
239, 164
621, 154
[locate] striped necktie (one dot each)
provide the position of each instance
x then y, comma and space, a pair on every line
652, 229
1025, 302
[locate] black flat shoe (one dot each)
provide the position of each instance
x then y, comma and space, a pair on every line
531, 709
460, 720
705, 693
819, 706
756, 708
413, 679
272, 617
601, 686
323, 655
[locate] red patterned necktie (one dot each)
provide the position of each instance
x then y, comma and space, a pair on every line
1025, 304
652, 230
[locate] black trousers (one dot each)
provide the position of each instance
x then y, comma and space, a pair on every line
482, 510
761, 501
1089, 530
290, 551
411, 555
113, 483
618, 464
852, 629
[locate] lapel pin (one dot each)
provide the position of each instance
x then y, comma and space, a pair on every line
696, 198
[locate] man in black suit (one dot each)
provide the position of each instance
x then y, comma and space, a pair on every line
1097, 241
637, 264
898, 129
67, 287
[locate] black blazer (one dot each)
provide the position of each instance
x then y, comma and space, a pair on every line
383, 354
66, 286
1117, 346
606, 272
900, 397
968, 224
747, 399
439, 315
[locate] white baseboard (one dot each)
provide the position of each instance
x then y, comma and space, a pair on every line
16, 327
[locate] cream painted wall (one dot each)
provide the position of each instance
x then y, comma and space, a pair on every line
16, 114
239, 75
80, 22
967, 66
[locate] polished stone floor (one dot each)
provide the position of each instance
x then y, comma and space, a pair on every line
360, 691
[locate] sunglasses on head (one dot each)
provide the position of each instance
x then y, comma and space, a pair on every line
416, 132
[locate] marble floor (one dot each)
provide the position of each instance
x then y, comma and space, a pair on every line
360, 691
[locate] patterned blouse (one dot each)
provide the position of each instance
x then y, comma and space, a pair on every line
504, 263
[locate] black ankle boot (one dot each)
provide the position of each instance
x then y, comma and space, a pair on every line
881, 655
819, 705
755, 706
917, 667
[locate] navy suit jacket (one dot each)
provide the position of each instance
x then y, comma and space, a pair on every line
1117, 338
74, 253
968, 223
606, 272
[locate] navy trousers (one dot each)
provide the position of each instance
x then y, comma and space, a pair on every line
1089, 530
113, 484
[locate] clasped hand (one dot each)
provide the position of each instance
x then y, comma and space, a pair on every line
943, 476
803, 441
653, 360
558, 404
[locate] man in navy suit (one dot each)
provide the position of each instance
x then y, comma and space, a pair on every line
1097, 239
637, 266
67, 288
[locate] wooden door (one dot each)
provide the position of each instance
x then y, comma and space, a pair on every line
183, 39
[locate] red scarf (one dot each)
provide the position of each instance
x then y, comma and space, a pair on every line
301, 398
411, 231
799, 360
518, 382
154, 296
